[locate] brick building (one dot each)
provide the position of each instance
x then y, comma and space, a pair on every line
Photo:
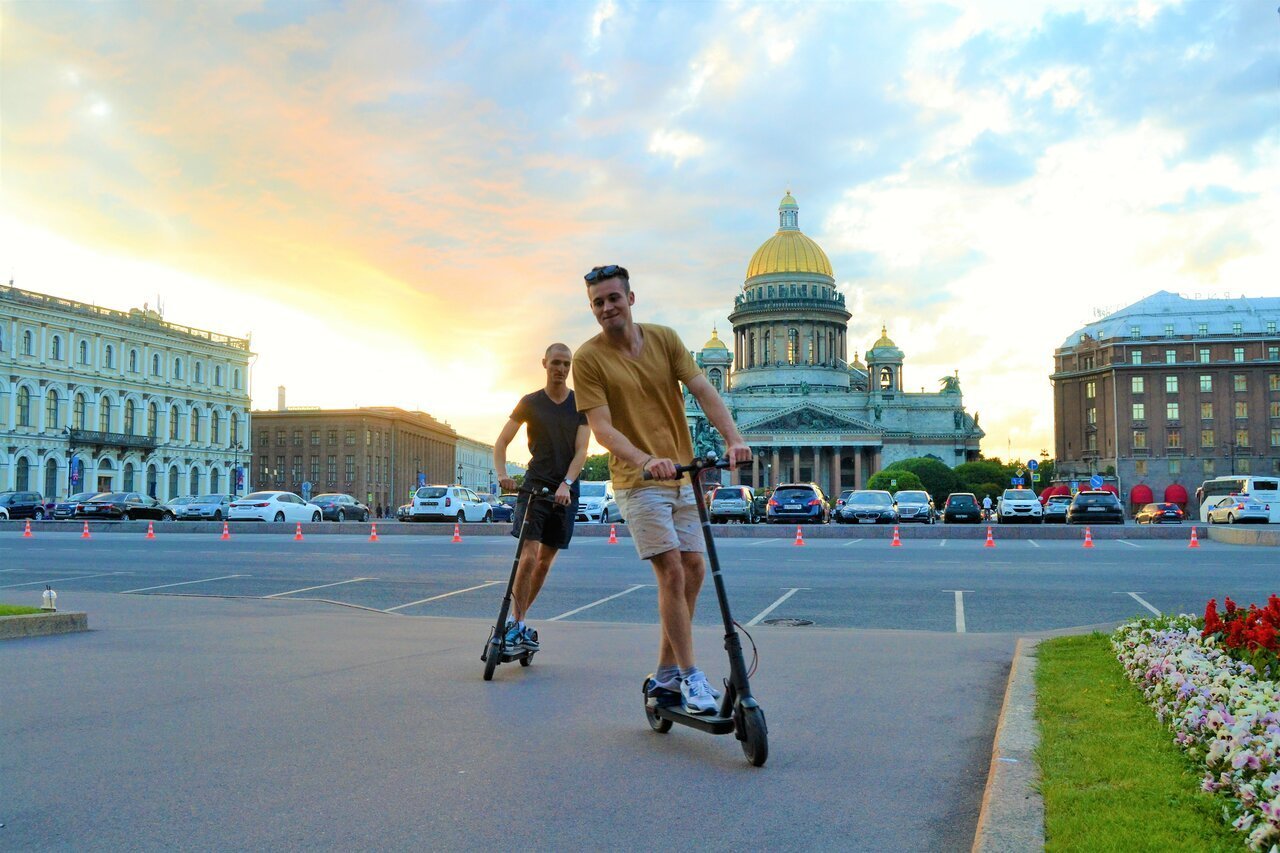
1171, 391
372, 453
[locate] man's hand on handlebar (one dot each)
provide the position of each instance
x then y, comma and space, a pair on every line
660, 469
507, 484
738, 454
563, 495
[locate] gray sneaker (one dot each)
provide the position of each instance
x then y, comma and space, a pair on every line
697, 696
529, 639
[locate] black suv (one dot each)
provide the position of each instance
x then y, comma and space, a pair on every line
1095, 508
962, 508
802, 502
23, 504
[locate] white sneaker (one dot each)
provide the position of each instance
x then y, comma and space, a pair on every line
697, 696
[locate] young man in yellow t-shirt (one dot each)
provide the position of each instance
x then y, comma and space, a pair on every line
627, 381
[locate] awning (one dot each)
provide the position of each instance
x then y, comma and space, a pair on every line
1141, 494
1175, 494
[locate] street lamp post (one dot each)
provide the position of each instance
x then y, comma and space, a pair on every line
459, 473
491, 490
235, 469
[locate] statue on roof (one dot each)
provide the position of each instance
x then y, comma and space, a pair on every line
950, 384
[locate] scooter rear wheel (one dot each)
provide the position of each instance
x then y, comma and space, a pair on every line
754, 735
492, 657
526, 659
656, 723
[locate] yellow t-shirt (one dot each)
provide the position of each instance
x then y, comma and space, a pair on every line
643, 395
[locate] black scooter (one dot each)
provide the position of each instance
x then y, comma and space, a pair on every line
495, 648
739, 712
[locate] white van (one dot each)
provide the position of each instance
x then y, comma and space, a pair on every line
597, 503
1265, 489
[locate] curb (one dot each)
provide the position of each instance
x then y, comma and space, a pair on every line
42, 624
1012, 815
1235, 535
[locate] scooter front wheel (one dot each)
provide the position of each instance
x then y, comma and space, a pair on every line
492, 658
754, 735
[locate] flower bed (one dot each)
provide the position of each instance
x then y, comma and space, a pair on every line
1223, 713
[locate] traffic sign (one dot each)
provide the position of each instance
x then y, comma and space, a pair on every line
422, 479
1035, 476
1095, 482
1016, 481
1075, 486
1033, 464
306, 490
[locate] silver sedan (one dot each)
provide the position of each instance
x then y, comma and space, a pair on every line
1239, 509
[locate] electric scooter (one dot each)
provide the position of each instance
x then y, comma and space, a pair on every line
495, 649
738, 712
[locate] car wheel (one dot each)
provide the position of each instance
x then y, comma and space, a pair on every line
315, 516
488, 517
462, 517
39, 515
217, 515
342, 515
364, 516
168, 516
279, 516
1231, 519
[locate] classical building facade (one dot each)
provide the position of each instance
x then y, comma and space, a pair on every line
475, 466
94, 399
1171, 391
807, 411
376, 454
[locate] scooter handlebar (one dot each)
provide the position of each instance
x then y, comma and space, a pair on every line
711, 461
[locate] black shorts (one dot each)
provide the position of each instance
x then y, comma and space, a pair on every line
549, 523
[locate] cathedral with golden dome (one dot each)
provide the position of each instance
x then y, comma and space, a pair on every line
807, 411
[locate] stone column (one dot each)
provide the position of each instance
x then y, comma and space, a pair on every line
795, 463
859, 480
775, 471
755, 467
836, 486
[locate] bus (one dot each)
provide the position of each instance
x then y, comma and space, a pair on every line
1265, 489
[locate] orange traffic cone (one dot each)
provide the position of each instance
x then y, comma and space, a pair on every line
1088, 538
457, 532
373, 534
151, 530
799, 536
896, 543
85, 533
991, 543
297, 534
613, 534
1195, 542
26, 534
226, 531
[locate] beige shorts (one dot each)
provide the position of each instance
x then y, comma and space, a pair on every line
662, 518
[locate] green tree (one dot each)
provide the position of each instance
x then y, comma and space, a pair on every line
973, 476
935, 476
595, 468
893, 480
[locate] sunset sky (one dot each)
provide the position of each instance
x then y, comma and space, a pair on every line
398, 199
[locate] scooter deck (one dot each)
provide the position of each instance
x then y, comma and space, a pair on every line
702, 722
508, 655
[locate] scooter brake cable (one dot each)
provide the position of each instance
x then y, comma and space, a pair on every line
755, 653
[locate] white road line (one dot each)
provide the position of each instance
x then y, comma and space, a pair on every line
942, 543
792, 590
438, 597
1130, 544
60, 580
321, 586
959, 593
1141, 601
854, 542
601, 601
183, 583
762, 542
1032, 543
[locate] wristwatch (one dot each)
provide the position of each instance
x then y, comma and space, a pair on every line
568, 481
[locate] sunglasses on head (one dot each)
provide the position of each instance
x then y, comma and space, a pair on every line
608, 271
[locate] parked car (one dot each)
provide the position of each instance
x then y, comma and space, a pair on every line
596, 502
272, 506
23, 504
71, 506
1095, 507
404, 512
501, 510
1239, 509
510, 499
914, 505
125, 506
1055, 509
205, 507
868, 506
803, 503
4, 514
1161, 513
1019, 505
761, 503
733, 503
844, 496
335, 506
449, 503
962, 508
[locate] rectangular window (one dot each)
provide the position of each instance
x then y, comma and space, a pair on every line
1139, 439
1207, 467
1271, 327
1202, 329
1135, 356
1090, 390
1242, 438
1206, 411
279, 472
315, 469
1171, 411
1174, 439
1237, 328
332, 470
1175, 467
1275, 408
1168, 330
1206, 383
1242, 409
1273, 353
1171, 356
1171, 385
1140, 467
296, 473
1206, 438
1091, 415
1243, 466
1091, 441
1237, 354
315, 439
280, 437
264, 439
1139, 412
1273, 381
1275, 438
1137, 384
368, 438
1204, 355
1135, 331
349, 438
297, 438
351, 468
1240, 382
333, 437
264, 468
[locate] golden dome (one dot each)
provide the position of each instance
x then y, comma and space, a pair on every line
715, 342
857, 362
788, 201
884, 340
789, 251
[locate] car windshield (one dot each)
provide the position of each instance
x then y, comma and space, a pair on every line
431, 492
259, 496
913, 497
961, 500
793, 494
870, 499
728, 495
591, 490
1019, 495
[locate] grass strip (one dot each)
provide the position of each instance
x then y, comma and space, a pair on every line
17, 610
1112, 778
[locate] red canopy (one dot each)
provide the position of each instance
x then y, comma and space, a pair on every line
1175, 494
1141, 494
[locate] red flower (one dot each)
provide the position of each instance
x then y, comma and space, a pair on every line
1231, 605
1212, 624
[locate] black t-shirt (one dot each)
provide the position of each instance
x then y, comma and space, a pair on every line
553, 431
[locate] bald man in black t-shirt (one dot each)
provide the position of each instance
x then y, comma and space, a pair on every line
558, 436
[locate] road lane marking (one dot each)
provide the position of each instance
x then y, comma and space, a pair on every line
1130, 544
1140, 600
762, 542
959, 593
183, 583
442, 595
60, 580
321, 586
1032, 543
942, 543
791, 590
601, 601
854, 542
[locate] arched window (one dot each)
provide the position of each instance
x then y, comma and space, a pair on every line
177, 368
215, 427
133, 361
55, 349
51, 409
751, 350
152, 415
793, 346
110, 359
217, 377
886, 379
128, 477
129, 413
173, 482
84, 352
78, 412
235, 379
155, 365
768, 352
195, 426
23, 481
199, 372
235, 429
215, 480
173, 426
24, 407
50, 477
28, 343
714, 375
104, 415
152, 484
195, 481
